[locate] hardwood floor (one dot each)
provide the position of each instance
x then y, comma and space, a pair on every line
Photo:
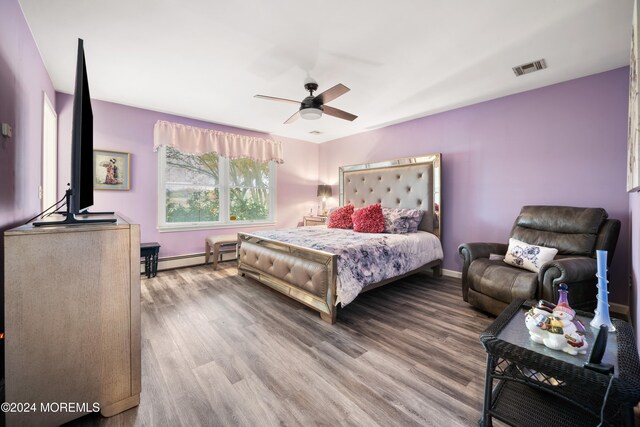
219, 349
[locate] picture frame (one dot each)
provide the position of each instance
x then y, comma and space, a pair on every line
633, 137
111, 170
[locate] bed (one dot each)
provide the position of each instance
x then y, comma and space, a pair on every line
322, 267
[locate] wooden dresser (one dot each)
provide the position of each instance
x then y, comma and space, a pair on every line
72, 321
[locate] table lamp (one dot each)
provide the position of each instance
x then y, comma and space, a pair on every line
324, 191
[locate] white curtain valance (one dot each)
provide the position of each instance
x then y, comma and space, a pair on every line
193, 140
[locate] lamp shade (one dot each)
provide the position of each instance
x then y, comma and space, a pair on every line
311, 113
324, 191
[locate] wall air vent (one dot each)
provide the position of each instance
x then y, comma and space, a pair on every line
315, 132
529, 67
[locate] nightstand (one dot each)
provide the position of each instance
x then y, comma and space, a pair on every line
528, 384
314, 220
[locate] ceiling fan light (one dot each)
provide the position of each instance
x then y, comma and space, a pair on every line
311, 113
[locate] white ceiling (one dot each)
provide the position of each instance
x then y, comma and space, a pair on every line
402, 59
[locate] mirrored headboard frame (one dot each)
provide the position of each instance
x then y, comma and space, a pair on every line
432, 163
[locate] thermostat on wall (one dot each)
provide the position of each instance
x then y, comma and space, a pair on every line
6, 130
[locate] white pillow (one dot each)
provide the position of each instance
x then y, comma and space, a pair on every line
529, 257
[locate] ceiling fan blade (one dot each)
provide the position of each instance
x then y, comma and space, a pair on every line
339, 113
332, 93
273, 98
293, 118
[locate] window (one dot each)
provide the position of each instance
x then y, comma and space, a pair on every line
206, 190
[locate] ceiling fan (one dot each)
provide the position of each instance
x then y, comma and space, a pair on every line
312, 107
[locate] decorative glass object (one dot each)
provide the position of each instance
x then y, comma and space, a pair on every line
602, 310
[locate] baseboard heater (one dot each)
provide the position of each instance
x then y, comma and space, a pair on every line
189, 260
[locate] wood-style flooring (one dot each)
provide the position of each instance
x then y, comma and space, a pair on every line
220, 350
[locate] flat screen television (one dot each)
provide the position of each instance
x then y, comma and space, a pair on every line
80, 194
81, 140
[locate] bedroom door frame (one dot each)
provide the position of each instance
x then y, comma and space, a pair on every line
49, 184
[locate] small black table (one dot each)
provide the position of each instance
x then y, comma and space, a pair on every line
537, 386
150, 253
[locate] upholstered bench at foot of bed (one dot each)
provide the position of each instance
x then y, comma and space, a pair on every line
214, 243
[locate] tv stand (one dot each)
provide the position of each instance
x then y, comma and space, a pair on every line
70, 218
96, 213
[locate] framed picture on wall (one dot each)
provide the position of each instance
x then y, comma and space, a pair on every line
633, 150
111, 170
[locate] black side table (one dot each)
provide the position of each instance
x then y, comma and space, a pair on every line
150, 253
537, 386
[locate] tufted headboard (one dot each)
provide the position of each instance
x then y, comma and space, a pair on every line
409, 183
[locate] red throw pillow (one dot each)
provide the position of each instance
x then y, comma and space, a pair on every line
341, 217
368, 219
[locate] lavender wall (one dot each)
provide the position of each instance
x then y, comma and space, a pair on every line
23, 79
634, 207
563, 144
121, 128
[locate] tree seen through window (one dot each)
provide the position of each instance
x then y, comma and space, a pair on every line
195, 192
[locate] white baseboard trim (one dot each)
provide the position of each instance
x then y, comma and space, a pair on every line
452, 273
189, 260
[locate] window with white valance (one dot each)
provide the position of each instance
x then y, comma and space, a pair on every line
209, 178
193, 140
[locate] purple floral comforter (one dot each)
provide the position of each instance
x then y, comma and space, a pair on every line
363, 258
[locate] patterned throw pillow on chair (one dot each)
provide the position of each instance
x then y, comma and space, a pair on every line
528, 257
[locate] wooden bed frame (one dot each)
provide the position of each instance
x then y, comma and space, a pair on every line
405, 183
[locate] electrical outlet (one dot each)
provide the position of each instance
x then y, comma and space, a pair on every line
7, 132
40, 192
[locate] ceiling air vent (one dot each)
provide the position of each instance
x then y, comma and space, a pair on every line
530, 67
315, 132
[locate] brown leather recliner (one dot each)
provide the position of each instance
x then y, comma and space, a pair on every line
490, 284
